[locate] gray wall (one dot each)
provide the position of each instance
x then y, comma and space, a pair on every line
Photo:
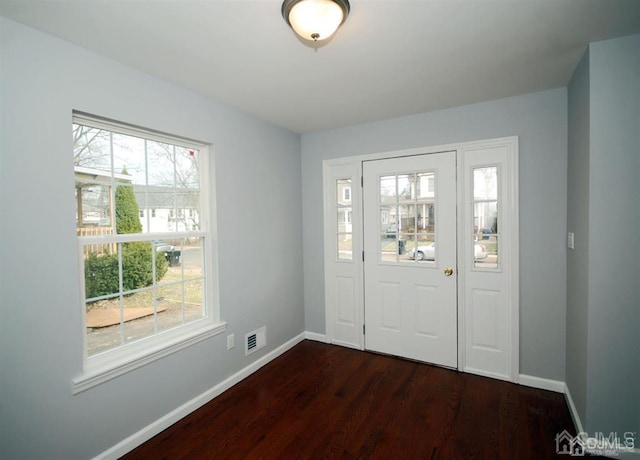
578, 222
613, 370
603, 293
540, 121
259, 200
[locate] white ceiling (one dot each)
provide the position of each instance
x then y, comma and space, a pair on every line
391, 58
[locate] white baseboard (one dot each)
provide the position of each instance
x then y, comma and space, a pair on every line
136, 439
543, 384
572, 410
316, 337
632, 454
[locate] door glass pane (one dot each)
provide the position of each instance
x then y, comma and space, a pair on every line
406, 243
426, 185
425, 248
388, 248
407, 218
388, 190
425, 217
406, 187
485, 217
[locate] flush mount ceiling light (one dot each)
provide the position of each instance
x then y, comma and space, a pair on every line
315, 19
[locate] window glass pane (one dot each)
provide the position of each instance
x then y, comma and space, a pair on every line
161, 164
93, 205
485, 183
91, 148
129, 158
101, 272
138, 313
187, 174
345, 246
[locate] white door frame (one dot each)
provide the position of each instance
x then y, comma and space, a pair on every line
344, 286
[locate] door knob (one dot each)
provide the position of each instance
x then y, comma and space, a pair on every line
448, 271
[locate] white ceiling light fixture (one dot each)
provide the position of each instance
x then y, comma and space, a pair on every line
315, 20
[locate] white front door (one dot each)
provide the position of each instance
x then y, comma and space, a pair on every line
410, 257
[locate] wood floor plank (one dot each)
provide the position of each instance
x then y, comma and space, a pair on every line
325, 402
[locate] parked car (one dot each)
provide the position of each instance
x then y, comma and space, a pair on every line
162, 246
428, 252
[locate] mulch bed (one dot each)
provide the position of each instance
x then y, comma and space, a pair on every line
104, 317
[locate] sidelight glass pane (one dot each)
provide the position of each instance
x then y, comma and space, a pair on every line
343, 191
485, 217
485, 183
345, 224
345, 246
344, 220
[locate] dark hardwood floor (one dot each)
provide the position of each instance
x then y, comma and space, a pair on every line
323, 401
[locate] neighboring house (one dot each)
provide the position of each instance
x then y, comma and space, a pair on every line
94, 200
167, 209
344, 206
162, 209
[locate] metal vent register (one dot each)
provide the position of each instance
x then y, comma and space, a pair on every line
255, 340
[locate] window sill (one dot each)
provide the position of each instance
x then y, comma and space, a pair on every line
109, 366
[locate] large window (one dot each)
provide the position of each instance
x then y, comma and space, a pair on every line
143, 230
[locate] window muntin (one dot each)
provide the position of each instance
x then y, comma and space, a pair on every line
157, 273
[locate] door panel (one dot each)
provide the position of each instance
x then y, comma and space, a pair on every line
409, 240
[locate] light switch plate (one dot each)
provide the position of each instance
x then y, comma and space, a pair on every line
570, 240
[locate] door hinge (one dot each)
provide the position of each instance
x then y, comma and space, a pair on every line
361, 181
363, 256
364, 331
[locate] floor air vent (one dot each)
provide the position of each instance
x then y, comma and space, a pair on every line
255, 340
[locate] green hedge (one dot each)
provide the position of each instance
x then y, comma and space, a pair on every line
101, 270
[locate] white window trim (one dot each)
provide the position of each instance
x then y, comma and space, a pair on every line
110, 364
